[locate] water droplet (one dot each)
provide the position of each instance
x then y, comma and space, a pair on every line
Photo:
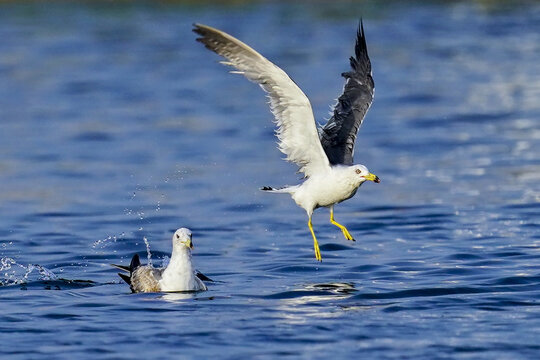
148, 253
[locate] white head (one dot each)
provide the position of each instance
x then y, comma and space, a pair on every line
182, 239
362, 174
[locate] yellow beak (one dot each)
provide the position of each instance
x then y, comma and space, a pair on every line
372, 177
189, 243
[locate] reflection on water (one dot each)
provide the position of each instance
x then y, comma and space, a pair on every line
292, 307
176, 296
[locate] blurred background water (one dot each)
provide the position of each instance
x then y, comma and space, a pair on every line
116, 127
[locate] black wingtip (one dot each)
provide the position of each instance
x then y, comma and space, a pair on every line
135, 262
267, 188
363, 34
126, 278
203, 277
121, 267
361, 45
360, 62
199, 30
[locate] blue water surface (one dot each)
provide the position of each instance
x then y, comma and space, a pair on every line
116, 128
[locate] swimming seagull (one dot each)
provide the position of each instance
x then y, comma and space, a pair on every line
325, 156
179, 275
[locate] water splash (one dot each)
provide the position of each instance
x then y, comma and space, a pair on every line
102, 243
5, 244
165, 261
148, 253
140, 214
13, 273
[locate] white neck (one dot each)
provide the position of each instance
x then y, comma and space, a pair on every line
180, 261
180, 273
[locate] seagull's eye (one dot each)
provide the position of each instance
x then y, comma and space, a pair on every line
358, 171
177, 236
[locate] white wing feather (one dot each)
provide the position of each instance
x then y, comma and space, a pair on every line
297, 133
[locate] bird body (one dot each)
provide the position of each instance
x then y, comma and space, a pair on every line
335, 185
338, 184
179, 275
324, 155
144, 278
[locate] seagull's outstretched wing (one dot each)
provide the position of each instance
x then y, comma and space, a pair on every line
297, 132
339, 133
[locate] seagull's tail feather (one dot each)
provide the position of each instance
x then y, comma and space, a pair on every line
282, 190
135, 263
121, 267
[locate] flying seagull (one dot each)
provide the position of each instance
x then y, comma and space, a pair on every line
179, 275
325, 156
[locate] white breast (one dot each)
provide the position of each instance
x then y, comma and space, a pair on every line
327, 189
180, 274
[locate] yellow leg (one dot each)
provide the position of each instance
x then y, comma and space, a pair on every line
315, 243
346, 232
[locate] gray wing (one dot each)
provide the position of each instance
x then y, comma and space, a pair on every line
297, 132
339, 134
146, 279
